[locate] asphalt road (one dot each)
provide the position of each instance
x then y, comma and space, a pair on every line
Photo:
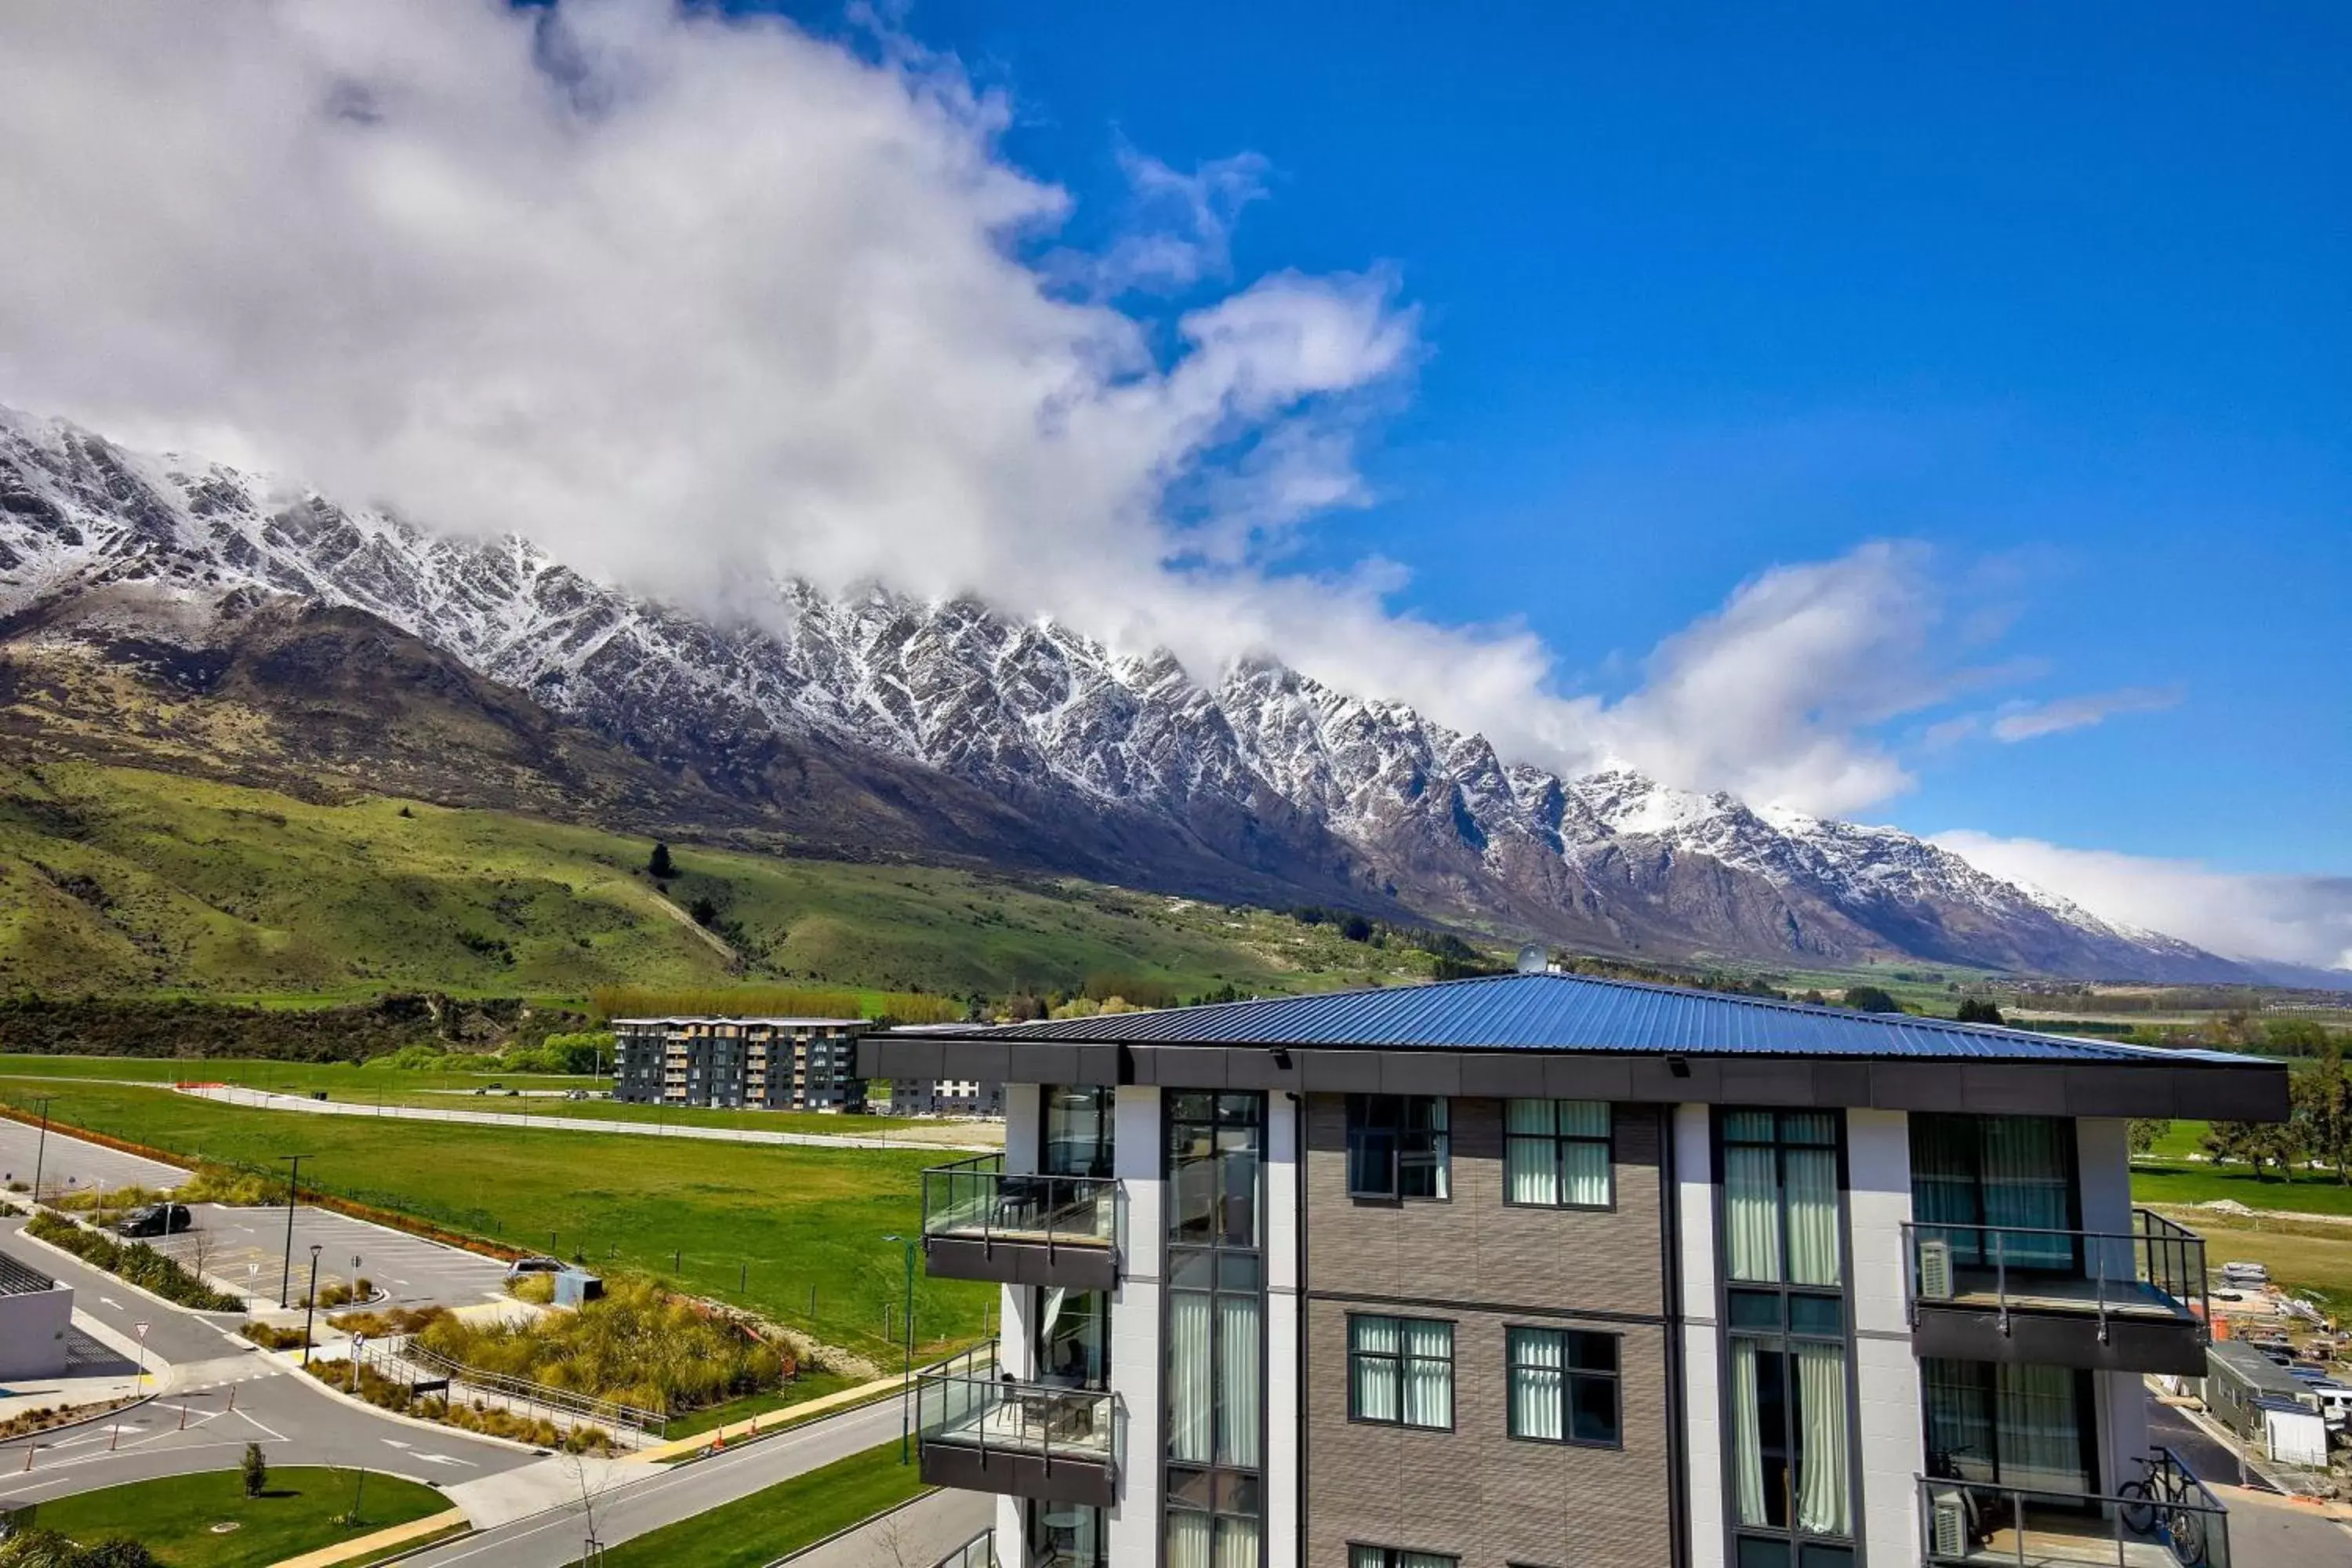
67, 1160
246, 1248
553, 1540
195, 1426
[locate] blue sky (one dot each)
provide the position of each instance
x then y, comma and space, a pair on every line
2062, 292
1928, 415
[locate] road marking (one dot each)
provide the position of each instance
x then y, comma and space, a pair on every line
444, 1460
395, 1443
111, 1303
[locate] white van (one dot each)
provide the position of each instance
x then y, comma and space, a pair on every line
2334, 1403
2245, 1274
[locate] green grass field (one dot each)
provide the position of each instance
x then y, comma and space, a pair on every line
436, 1089
2195, 1184
117, 880
754, 1532
764, 1227
175, 1518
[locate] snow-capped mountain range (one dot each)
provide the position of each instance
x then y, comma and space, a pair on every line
1265, 784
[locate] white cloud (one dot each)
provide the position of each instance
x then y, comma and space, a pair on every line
694, 300
2029, 720
2302, 920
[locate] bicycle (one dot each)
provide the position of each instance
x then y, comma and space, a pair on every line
2158, 1504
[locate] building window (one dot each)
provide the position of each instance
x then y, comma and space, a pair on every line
1216, 1306
1564, 1386
1397, 1146
1789, 1379
1556, 1154
1391, 1557
1078, 1132
1401, 1372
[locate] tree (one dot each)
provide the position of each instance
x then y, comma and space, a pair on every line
703, 910
257, 1470
1976, 1010
1356, 928
2323, 1110
2146, 1132
1871, 999
659, 866
47, 1549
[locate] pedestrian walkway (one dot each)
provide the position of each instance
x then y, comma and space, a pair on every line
263, 1100
369, 1546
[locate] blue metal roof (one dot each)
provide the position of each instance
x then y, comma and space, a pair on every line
1577, 1013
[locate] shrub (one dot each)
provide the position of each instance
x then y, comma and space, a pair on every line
343, 1292
271, 1338
399, 1321
47, 1549
639, 1345
256, 1470
236, 1189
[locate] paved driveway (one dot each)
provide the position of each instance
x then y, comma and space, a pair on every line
70, 1161
246, 1248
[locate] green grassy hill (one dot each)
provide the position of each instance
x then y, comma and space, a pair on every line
119, 881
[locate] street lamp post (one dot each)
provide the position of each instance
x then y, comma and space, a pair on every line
310, 1308
41, 1149
906, 1378
285, 1277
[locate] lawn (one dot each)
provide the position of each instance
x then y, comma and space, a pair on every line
2305, 1193
754, 1532
770, 1228
2309, 1256
175, 1518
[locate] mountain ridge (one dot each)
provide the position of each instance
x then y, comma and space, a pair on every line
951, 729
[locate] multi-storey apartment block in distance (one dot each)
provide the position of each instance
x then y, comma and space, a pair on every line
1546, 1271
765, 1064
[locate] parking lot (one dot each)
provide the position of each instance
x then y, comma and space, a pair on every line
246, 1248
67, 1161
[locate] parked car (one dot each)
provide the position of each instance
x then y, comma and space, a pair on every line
155, 1219
523, 1268
2245, 1274
575, 1094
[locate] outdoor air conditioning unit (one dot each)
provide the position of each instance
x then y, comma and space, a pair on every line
1947, 1528
1935, 1270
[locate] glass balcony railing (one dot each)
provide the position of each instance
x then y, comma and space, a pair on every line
980, 1552
2154, 1270
1001, 1417
2166, 1519
977, 1200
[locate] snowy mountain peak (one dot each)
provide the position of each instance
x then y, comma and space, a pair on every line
1264, 775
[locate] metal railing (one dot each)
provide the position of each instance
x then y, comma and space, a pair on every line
2168, 1518
967, 1408
976, 1199
401, 1359
2154, 1263
980, 1552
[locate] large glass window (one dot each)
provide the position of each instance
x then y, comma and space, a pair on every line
1078, 1132
2019, 1425
1790, 1452
1067, 1535
1563, 1387
1216, 1329
1400, 1371
1074, 1338
1398, 1146
1556, 1153
1997, 1171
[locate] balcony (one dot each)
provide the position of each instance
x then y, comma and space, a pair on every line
979, 1432
979, 1223
2108, 1300
2169, 1520
980, 1552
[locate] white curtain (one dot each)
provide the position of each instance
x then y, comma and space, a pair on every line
1428, 1373
1538, 1401
1187, 1540
1237, 1374
1367, 1557
1190, 1401
1425, 1560
1823, 1504
1751, 1204
1378, 1343
1812, 1176
1746, 1434
1237, 1543
2026, 1184
2040, 1434
1527, 1147
1587, 1173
